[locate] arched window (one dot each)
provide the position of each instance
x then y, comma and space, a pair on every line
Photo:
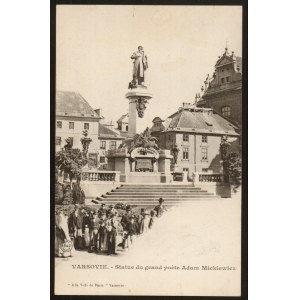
226, 111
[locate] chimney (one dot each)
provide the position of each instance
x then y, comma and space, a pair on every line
186, 104
98, 111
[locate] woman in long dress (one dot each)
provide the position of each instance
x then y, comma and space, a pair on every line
63, 243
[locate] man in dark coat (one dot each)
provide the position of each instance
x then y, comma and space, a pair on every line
125, 220
75, 224
126, 217
111, 211
111, 239
159, 209
102, 211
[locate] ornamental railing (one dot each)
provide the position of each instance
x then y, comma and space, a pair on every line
207, 177
100, 176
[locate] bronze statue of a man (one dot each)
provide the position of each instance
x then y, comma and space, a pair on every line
140, 65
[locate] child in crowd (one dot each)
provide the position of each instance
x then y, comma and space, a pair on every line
131, 231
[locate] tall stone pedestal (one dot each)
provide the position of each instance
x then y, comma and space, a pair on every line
138, 98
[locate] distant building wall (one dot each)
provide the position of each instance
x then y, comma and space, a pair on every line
203, 153
67, 131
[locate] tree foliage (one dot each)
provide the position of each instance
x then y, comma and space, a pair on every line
231, 162
235, 167
69, 161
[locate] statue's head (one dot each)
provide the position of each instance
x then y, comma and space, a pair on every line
140, 48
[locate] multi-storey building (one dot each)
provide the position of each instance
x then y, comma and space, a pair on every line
108, 140
73, 116
197, 133
223, 91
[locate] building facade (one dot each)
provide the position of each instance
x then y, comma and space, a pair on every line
73, 116
123, 124
108, 140
223, 92
197, 132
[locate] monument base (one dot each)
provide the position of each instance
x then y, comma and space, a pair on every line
148, 177
138, 98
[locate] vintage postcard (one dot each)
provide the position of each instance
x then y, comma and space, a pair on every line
149, 109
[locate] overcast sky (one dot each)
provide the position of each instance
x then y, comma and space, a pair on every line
94, 45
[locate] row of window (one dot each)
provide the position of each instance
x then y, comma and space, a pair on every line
187, 169
226, 69
112, 144
186, 138
225, 78
226, 111
71, 125
185, 153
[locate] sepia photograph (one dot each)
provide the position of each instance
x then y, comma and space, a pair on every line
149, 123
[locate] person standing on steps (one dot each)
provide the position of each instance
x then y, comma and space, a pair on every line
159, 209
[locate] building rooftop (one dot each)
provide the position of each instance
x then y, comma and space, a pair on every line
226, 58
123, 119
200, 120
73, 104
106, 133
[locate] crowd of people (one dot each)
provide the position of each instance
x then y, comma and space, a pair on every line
103, 230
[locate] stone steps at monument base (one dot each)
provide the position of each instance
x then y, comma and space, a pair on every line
189, 188
159, 190
153, 203
148, 195
156, 196
143, 192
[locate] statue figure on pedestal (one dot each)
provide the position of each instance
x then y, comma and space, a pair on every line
140, 65
174, 151
85, 141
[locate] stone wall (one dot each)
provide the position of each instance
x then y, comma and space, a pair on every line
96, 189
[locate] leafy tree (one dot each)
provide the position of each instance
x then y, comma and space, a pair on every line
231, 163
69, 161
235, 168
224, 148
